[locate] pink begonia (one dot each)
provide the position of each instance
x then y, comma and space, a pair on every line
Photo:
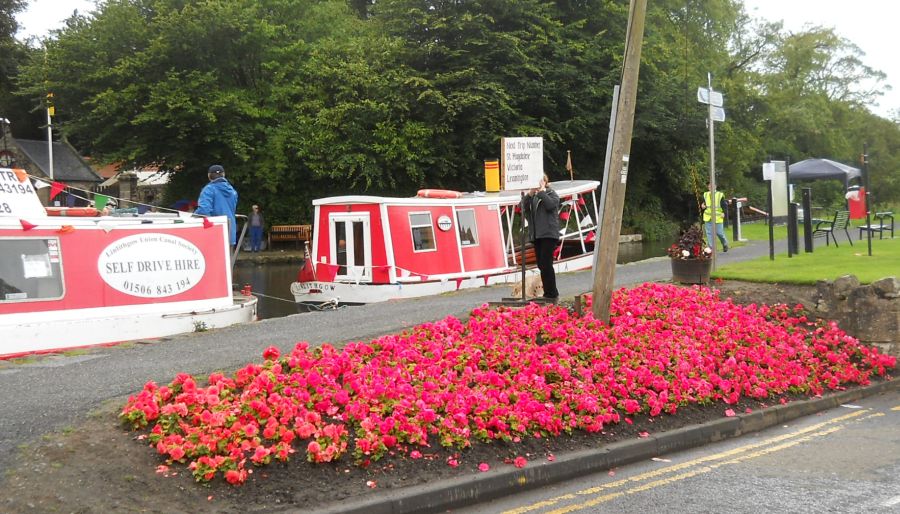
520, 462
484, 466
454, 383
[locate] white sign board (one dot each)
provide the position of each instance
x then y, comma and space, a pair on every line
768, 169
703, 97
523, 162
718, 114
17, 198
151, 265
779, 189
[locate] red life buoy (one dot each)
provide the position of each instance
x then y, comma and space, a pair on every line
438, 193
72, 212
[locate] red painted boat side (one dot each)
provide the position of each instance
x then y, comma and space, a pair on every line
489, 252
85, 287
443, 259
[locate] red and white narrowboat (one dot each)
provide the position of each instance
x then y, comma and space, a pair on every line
369, 249
72, 278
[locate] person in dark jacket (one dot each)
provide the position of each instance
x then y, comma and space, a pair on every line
541, 208
218, 198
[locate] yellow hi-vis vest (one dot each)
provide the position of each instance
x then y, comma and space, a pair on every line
720, 213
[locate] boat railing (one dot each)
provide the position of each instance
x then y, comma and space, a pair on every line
240, 241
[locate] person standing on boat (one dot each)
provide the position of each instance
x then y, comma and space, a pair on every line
218, 198
257, 222
541, 208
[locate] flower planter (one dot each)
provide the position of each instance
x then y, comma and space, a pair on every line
691, 271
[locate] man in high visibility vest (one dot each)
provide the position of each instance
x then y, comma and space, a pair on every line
721, 206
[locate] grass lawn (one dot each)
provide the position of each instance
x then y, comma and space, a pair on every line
759, 231
826, 262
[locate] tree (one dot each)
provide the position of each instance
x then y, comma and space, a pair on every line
12, 55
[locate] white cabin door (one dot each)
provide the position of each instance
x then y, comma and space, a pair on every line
351, 246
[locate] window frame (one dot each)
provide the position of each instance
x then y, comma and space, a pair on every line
460, 225
430, 226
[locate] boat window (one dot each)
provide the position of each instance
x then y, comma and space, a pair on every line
422, 231
468, 230
30, 269
341, 257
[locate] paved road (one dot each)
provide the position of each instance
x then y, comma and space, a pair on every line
845, 460
53, 393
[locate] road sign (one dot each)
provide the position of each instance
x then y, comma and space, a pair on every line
703, 97
718, 114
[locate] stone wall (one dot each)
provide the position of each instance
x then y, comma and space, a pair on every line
871, 313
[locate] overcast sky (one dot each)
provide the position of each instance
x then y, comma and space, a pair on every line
872, 25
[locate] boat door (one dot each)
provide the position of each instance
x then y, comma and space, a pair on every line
351, 245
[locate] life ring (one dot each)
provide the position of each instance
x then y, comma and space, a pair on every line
72, 212
438, 193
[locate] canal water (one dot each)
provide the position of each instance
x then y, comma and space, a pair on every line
272, 282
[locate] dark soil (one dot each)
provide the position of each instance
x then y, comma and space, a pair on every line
100, 467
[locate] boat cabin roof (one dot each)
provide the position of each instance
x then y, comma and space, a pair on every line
563, 188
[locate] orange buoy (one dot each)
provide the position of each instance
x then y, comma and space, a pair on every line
438, 193
72, 212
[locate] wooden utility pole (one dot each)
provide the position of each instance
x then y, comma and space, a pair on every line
605, 263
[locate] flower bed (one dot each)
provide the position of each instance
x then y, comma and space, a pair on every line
453, 383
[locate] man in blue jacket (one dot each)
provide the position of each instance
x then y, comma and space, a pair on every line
218, 198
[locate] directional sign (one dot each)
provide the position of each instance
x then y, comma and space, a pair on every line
718, 114
703, 97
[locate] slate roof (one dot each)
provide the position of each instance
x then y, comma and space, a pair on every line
67, 165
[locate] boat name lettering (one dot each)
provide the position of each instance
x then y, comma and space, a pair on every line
152, 265
322, 286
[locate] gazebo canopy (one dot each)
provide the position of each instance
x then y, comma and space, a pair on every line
814, 169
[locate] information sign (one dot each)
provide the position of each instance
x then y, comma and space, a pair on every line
523, 162
17, 197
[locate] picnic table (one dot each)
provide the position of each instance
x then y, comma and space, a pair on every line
885, 223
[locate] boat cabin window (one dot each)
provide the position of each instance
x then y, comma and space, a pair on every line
468, 230
422, 231
30, 269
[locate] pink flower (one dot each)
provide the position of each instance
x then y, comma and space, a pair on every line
729, 413
520, 462
484, 466
459, 382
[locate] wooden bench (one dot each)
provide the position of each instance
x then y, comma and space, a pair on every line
885, 223
297, 233
840, 222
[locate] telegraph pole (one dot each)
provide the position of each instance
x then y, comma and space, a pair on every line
605, 263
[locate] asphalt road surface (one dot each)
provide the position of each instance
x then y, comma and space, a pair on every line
52, 393
843, 460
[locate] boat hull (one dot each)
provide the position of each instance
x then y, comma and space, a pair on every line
65, 330
327, 295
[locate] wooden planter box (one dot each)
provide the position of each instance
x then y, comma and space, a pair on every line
691, 271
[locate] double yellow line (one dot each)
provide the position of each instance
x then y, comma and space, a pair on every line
674, 473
